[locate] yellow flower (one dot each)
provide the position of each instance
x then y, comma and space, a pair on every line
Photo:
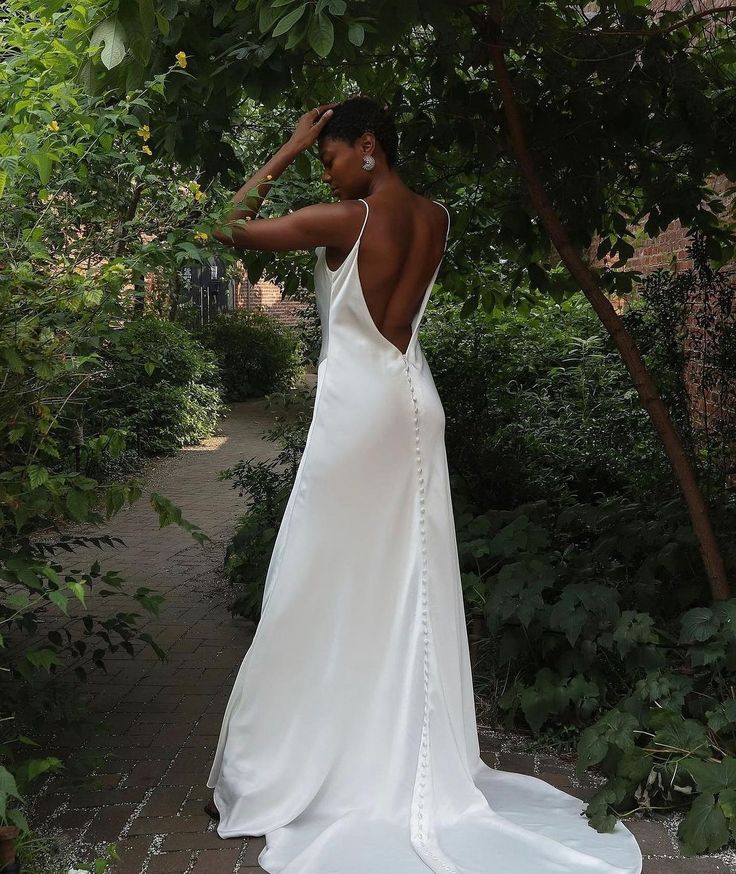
199, 195
144, 132
147, 150
181, 59
201, 236
54, 125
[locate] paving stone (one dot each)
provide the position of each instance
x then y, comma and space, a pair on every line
661, 865
217, 861
197, 841
132, 854
164, 825
653, 838
109, 822
165, 801
104, 797
518, 763
170, 863
253, 849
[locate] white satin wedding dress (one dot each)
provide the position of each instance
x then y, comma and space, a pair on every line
350, 737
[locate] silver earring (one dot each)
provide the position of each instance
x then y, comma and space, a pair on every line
369, 162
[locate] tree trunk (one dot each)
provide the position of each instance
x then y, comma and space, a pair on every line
650, 399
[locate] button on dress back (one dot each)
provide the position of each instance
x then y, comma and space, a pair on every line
350, 738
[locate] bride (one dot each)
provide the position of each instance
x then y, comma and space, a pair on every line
350, 739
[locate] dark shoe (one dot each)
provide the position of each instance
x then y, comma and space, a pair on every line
211, 810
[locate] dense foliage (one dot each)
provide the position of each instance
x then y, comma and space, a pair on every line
70, 169
257, 355
160, 385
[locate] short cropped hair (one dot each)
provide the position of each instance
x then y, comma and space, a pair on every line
358, 115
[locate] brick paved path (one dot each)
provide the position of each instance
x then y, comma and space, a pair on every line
163, 718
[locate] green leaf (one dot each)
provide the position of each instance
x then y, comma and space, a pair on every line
42, 658
712, 777
8, 789
680, 735
60, 600
163, 24
724, 716
77, 502
698, 625
37, 475
289, 20
321, 35
146, 17
18, 820
112, 33
613, 729
44, 163
78, 591
268, 16
705, 828
36, 767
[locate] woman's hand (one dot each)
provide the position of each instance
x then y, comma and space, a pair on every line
309, 125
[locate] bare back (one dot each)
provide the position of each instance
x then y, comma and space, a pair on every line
401, 246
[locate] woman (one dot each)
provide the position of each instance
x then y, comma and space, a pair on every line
350, 738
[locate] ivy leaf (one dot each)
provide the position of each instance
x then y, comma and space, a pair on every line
698, 625
712, 777
705, 828
724, 716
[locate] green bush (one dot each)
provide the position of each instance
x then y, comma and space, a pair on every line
596, 633
257, 354
539, 406
49, 339
160, 385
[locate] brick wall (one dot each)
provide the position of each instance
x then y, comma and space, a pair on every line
711, 400
267, 296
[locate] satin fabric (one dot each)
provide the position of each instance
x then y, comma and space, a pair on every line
350, 737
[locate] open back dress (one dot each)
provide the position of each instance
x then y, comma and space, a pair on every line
350, 738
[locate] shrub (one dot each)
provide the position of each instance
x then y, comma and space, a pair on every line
539, 406
160, 385
257, 354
